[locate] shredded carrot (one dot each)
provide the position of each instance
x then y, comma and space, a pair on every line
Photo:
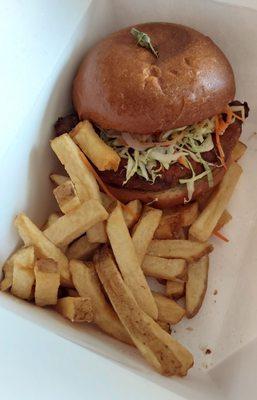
219, 129
221, 236
182, 161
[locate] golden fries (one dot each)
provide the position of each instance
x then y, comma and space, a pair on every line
23, 273
163, 268
168, 310
203, 227
87, 284
69, 155
51, 219
224, 219
59, 179
76, 309
238, 151
164, 353
175, 289
72, 225
101, 155
132, 212
66, 197
144, 230
164, 325
126, 257
81, 249
44, 248
23, 257
196, 285
47, 282
186, 249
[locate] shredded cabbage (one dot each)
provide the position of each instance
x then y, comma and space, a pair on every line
189, 143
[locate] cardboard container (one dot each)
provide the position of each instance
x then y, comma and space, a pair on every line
43, 43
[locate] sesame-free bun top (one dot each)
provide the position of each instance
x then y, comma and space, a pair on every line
123, 86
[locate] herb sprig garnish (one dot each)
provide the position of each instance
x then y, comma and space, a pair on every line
143, 40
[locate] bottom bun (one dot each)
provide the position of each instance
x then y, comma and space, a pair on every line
170, 197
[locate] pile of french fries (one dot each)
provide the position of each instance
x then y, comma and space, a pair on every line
91, 260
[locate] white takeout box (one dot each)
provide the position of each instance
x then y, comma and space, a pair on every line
42, 44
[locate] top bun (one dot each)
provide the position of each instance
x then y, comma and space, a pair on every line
123, 86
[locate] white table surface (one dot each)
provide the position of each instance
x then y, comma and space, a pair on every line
36, 364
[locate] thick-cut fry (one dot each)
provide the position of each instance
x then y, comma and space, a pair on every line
97, 233
59, 179
125, 254
51, 219
203, 227
163, 268
23, 274
186, 249
224, 219
144, 230
238, 151
47, 282
23, 280
163, 352
23, 257
196, 285
164, 231
101, 155
168, 310
44, 248
69, 155
66, 197
72, 225
81, 249
132, 212
76, 309
87, 284
175, 289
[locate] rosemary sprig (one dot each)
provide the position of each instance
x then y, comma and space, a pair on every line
143, 40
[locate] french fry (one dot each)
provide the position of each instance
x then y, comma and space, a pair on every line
69, 155
23, 273
24, 257
76, 309
132, 212
126, 257
66, 197
51, 219
196, 285
186, 249
238, 151
144, 230
47, 282
203, 227
168, 310
72, 225
84, 181
101, 155
161, 351
23, 281
97, 234
165, 326
163, 268
81, 249
224, 219
87, 284
175, 289
59, 179
44, 248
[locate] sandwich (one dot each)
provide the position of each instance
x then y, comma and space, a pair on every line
162, 96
